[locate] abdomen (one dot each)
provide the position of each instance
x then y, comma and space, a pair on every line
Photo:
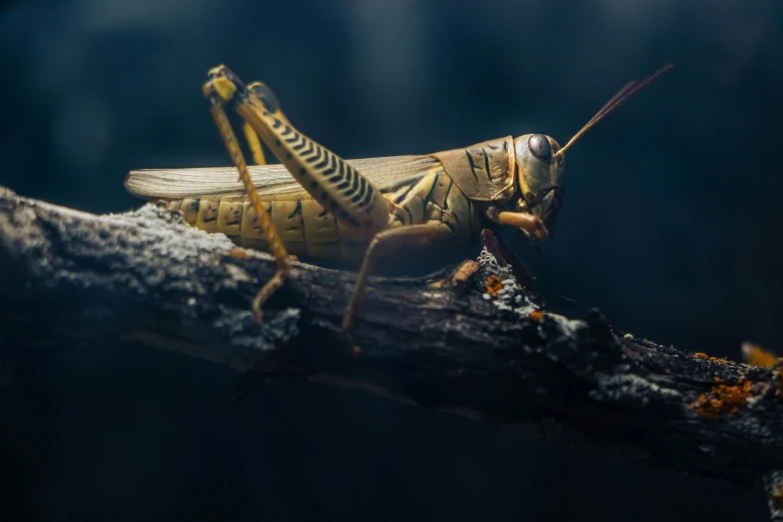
306, 229
311, 233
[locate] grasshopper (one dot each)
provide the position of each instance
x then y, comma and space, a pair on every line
316, 205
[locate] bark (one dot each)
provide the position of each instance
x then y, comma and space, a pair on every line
470, 342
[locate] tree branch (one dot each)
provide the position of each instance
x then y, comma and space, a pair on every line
443, 342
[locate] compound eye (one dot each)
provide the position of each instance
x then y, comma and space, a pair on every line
540, 147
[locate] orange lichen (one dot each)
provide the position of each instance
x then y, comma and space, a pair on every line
536, 316
755, 355
704, 356
723, 399
494, 285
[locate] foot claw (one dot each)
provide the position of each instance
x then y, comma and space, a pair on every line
347, 329
353, 348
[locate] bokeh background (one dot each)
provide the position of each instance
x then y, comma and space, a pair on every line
671, 226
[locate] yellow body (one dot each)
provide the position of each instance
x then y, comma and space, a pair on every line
311, 232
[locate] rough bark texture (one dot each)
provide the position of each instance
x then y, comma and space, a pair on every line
475, 348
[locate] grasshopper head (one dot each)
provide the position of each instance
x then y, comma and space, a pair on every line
540, 172
540, 162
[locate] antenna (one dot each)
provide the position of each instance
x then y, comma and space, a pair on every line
623, 95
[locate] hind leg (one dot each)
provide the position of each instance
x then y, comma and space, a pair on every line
216, 92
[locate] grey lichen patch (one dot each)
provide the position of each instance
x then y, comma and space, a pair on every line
237, 275
510, 295
631, 390
586, 347
181, 242
489, 266
140, 253
146, 261
758, 429
562, 346
168, 236
176, 239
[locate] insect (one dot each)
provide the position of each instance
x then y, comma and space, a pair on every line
318, 206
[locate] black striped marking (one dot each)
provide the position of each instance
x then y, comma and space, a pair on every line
297, 210
486, 164
337, 172
446, 197
472, 165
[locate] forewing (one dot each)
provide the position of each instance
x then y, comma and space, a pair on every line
271, 181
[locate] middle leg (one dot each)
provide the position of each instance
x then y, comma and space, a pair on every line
382, 245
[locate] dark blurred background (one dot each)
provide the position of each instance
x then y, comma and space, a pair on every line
670, 226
